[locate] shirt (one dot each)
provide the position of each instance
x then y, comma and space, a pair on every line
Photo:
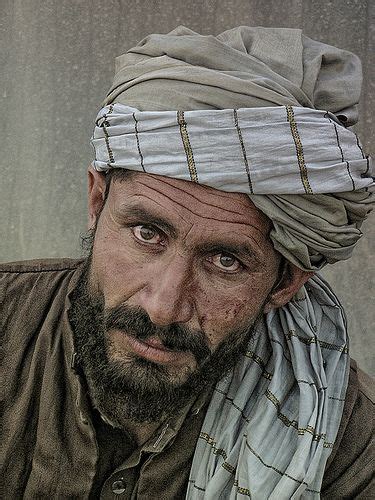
55, 445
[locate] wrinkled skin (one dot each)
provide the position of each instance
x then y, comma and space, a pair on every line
178, 254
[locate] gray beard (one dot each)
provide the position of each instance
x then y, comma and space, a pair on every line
138, 389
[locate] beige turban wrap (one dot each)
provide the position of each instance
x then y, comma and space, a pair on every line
254, 68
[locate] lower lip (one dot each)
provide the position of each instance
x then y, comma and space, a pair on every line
155, 353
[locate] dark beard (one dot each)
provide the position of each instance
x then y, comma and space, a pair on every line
137, 389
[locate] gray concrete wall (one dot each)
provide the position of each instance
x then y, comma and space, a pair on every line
58, 57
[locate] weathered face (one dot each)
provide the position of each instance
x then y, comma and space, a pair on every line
185, 254
178, 275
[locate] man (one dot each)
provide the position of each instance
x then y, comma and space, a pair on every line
195, 352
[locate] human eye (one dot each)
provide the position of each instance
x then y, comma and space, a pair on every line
148, 234
226, 262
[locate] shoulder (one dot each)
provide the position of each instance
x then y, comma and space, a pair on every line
30, 289
38, 266
349, 473
34, 298
21, 277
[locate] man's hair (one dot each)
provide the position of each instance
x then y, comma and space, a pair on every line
119, 174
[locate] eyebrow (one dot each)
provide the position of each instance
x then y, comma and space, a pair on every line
147, 217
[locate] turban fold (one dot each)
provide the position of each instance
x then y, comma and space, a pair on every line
241, 124
243, 67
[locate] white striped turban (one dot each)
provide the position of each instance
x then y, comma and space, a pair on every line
263, 111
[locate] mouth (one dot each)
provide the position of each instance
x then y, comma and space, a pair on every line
151, 349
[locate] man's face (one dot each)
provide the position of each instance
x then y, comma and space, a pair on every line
179, 274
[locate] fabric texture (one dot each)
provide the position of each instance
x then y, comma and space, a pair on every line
251, 67
282, 152
51, 445
244, 67
275, 418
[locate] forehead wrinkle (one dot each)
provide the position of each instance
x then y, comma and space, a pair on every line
208, 189
247, 224
217, 194
213, 218
125, 207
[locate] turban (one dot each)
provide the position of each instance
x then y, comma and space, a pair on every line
258, 110
263, 111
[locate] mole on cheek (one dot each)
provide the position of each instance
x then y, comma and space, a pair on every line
231, 312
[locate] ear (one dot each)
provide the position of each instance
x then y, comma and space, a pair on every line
96, 191
290, 282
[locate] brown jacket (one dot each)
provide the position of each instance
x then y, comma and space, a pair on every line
56, 446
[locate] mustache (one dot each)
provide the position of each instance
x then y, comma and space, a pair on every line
136, 322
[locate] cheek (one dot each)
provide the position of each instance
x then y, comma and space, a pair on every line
224, 312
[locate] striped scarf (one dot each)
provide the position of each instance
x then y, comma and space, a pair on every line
272, 422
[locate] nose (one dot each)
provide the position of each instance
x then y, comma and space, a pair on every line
168, 295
